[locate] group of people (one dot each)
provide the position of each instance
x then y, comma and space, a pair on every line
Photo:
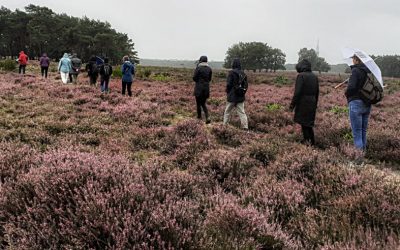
70, 66
304, 102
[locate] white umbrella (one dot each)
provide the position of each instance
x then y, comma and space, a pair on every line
366, 59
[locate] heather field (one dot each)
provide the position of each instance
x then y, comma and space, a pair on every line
85, 170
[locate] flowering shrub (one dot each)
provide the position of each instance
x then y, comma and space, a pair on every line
81, 169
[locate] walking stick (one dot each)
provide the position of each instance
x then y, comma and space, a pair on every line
341, 84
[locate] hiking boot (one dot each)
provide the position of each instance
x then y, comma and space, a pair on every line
208, 121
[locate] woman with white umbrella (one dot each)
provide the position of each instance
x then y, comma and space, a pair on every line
359, 111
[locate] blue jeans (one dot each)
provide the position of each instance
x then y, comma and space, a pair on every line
359, 114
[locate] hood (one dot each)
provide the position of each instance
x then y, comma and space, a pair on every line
21, 52
362, 67
303, 66
128, 63
65, 55
203, 59
236, 64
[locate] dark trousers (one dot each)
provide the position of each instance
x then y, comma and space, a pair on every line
22, 69
308, 134
127, 85
93, 79
201, 104
44, 71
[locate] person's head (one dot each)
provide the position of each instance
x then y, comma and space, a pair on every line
44, 55
356, 60
125, 59
236, 64
74, 55
66, 55
203, 59
106, 60
21, 52
303, 66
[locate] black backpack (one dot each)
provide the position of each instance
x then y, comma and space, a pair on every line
241, 87
107, 70
372, 91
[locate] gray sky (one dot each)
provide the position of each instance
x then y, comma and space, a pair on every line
187, 29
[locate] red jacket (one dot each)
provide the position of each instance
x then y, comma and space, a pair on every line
23, 58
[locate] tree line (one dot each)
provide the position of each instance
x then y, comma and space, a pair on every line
39, 30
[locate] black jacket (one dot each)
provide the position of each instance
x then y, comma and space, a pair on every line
357, 79
232, 81
305, 98
202, 76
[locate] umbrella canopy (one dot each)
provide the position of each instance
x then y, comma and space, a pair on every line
366, 59
99, 60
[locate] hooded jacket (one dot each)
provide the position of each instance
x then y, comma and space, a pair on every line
306, 94
128, 72
357, 79
64, 65
202, 77
23, 58
232, 81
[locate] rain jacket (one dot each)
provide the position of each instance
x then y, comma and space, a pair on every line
64, 65
76, 64
128, 72
202, 76
23, 58
357, 79
232, 81
305, 97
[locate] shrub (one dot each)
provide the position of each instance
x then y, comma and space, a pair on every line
117, 72
339, 110
281, 80
8, 65
272, 107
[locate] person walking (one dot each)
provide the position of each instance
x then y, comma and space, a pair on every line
44, 62
92, 69
305, 100
359, 111
236, 89
202, 77
23, 61
76, 64
128, 73
105, 75
64, 67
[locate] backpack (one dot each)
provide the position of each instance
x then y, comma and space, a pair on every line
372, 91
241, 88
107, 70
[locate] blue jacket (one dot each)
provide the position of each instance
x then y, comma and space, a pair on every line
128, 71
65, 65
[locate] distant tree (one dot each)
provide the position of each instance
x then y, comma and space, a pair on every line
278, 60
317, 63
389, 65
255, 56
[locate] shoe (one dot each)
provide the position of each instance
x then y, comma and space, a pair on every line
208, 121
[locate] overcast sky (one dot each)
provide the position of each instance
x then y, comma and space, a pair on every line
187, 29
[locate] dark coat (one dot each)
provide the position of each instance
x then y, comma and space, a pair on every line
232, 81
202, 76
305, 98
357, 79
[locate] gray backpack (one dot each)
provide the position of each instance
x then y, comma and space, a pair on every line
372, 91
